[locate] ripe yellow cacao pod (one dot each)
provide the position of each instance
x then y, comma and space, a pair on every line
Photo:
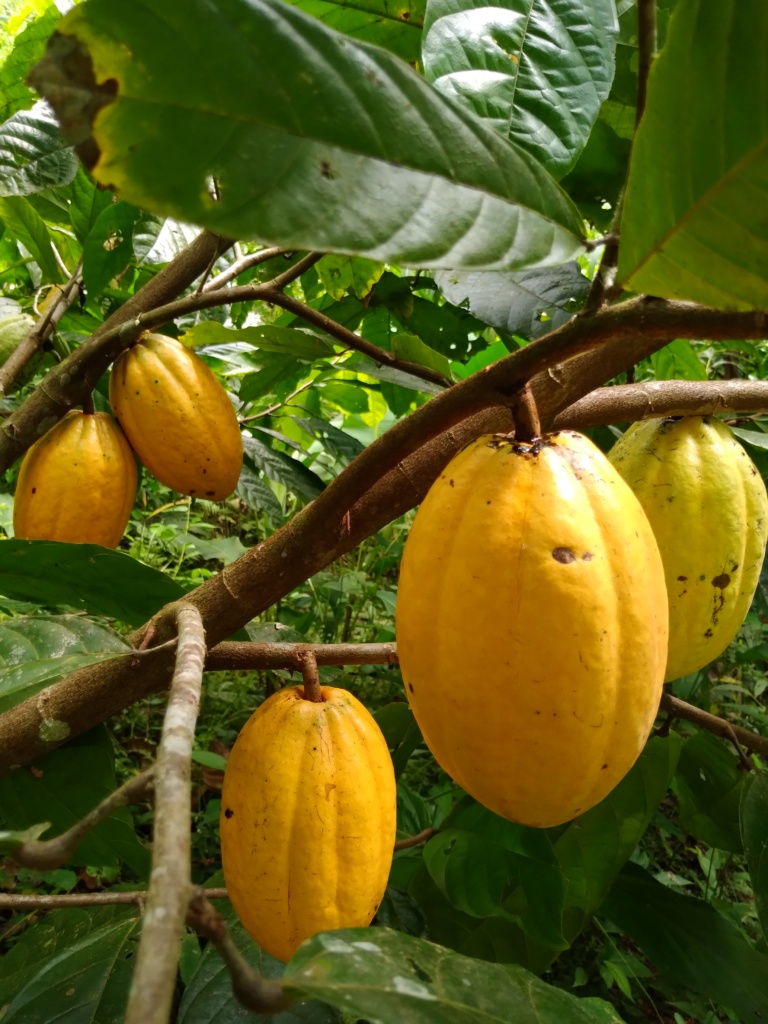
307, 818
177, 417
77, 483
532, 625
708, 508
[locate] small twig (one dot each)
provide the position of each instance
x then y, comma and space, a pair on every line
525, 416
595, 243
311, 677
239, 655
250, 989
417, 840
241, 265
40, 331
206, 274
49, 854
87, 404
170, 885
28, 904
712, 723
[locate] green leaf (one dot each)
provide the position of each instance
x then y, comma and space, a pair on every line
687, 940
90, 977
28, 47
708, 785
537, 70
342, 274
754, 437
395, 26
754, 835
208, 997
268, 338
352, 122
401, 732
262, 382
388, 977
33, 155
348, 396
413, 349
108, 247
45, 940
85, 576
694, 224
282, 468
529, 303
398, 377
61, 787
337, 443
595, 182
678, 360
28, 227
88, 203
257, 494
472, 872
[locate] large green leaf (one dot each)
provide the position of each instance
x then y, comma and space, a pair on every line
394, 25
87, 982
35, 652
388, 977
266, 337
709, 783
281, 467
538, 70
84, 576
754, 835
33, 155
208, 997
108, 249
28, 47
397, 171
695, 222
687, 940
28, 227
61, 787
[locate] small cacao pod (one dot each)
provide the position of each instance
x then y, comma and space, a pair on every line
177, 417
77, 483
307, 818
708, 508
532, 625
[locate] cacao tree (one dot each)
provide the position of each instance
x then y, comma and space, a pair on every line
384, 230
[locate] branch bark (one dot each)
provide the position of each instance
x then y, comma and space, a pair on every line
390, 477
170, 885
253, 656
253, 259
23, 903
712, 723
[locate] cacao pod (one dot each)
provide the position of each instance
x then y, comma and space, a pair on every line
77, 483
177, 417
307, 818
532, 625
13, 330
707, 505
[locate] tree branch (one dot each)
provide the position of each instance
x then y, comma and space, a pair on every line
417, 840
388, 478
253, 259
27, 904
49, 854
719, 726
41, 330
253, 656
170, 885
250, 989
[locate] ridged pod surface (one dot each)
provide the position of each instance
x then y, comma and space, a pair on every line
708, 508
177, 417
77, 483
532, 625
307, 818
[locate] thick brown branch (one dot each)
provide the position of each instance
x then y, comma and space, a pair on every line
627, 403
24, 904
391, 476
41, 330
351, 340
170, 885
250, 989
49, 854
66, 384
253, 656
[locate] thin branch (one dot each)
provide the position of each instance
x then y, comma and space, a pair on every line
41, 330
388, 478
49, 854
718, 726
249, 656
28, 904
253, 259
351, 340
170, 885
250, 989
417, 840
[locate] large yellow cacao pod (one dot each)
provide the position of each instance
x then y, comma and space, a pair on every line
532, 625
708, 508
77, 483
177, 417
307, 818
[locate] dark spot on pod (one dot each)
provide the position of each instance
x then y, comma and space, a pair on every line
734, 567
702, 577
587, 556
450, 482
228, 813
410, 687
721, 581
683, 579
605, 766
708, 633
564, 555
209, 494
34, 490
488, 502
